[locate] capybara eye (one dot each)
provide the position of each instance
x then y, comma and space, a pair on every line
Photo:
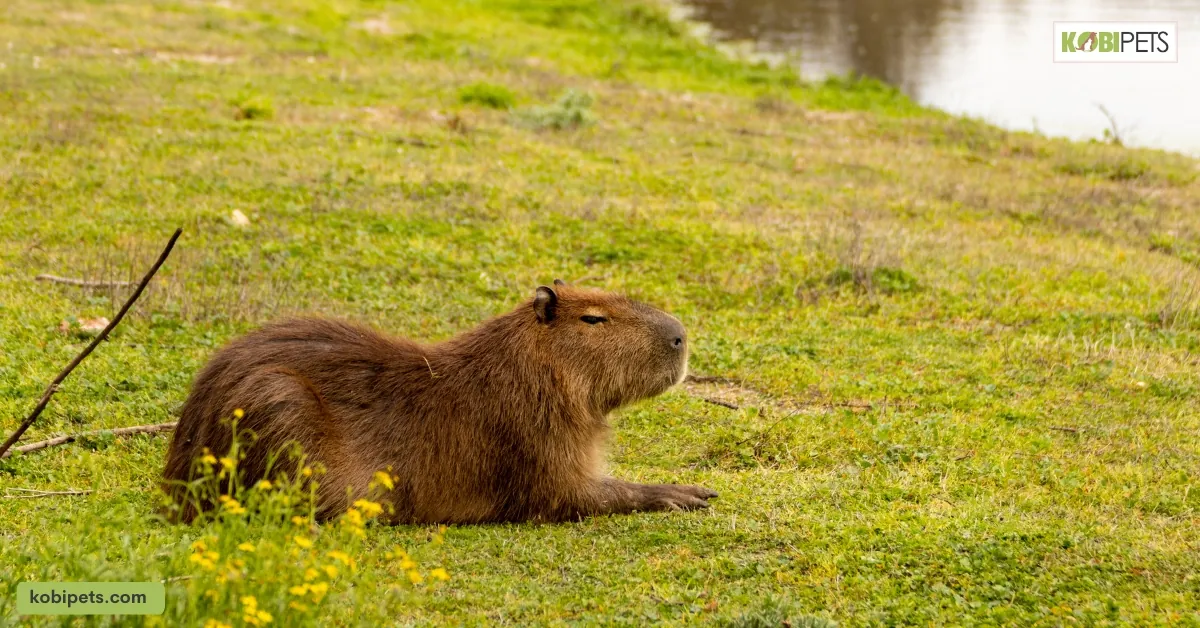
592, 320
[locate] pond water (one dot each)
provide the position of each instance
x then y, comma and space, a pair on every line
992, 60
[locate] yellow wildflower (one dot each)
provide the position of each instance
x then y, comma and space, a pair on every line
298, 520
341, 556
311, 574
302, 541
298, 590
354, 517
246, 546
407, 564
206, 560
208, 459
263, 485
369, 508
298, 606
231, 505
306, 471
439, 574
212, 594
198, 545
330, 571
239, 413
318, 590
227, 463
383, 479
415, 577
212, 623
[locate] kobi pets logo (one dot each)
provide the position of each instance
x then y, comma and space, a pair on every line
1116, 42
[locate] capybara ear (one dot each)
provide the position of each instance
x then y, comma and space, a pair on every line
545, 302
559, 282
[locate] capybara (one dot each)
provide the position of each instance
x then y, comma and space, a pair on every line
505, 422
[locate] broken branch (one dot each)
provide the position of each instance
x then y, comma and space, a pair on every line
83, 283
70, 438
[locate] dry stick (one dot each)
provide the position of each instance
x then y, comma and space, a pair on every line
70, 438
34, 493
53, 387
720, 402
83, 283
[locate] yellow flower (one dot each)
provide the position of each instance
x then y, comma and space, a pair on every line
249, 602
208, 459
311, 574
330, 571
299, 589
263, 485
383, 479
298, 520
298, 606
212, 594
354, 517
407, 564
439, 574
340, 555
318, 591
212, 623
239, 413
369, 508
302, 541
231, 505
246, 546
306, 471
228, 463
415, 577
198, 545
206, 560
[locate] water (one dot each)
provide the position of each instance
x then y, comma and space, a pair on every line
991, 60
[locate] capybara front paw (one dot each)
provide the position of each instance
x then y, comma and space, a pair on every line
679, 497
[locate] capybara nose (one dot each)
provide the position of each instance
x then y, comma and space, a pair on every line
674, 334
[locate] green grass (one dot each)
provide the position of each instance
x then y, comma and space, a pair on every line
964, 359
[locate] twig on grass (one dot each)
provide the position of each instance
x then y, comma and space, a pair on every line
62, 375
714, 379
33, 493
719, 402
83, 283
70, 438
1069, 430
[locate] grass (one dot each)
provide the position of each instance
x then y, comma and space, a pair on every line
964, 360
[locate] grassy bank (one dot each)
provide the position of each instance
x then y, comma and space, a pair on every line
963, 360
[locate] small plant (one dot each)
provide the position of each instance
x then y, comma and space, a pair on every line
253, 107
571, 110
487, 95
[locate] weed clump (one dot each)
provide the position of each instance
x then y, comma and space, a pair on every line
572, 110
487, 95
253, 107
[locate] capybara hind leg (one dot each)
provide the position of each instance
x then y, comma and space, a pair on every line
274, 410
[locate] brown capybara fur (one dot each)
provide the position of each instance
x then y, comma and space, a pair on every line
502, 423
